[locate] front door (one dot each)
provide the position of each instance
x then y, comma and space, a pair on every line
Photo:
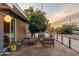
9, 33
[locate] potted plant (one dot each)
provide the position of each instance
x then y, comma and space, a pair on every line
13, 46
18, 43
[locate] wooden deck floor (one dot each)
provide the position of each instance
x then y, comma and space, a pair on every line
37, 50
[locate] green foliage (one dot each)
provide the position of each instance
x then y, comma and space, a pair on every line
74, 25
38, 21
66, 29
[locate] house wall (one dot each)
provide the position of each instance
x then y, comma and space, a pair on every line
20, 30
1, 33
20, 25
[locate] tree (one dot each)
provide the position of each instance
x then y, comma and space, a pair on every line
59, 30
66, 29
37, 20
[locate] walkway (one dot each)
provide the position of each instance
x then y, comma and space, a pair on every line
34, 50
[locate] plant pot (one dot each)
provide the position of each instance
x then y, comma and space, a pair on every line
13, 47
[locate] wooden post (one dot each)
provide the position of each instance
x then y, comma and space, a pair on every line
69, 43
57, 37
53, 43
61, 39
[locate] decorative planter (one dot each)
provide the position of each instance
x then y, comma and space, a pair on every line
13, 46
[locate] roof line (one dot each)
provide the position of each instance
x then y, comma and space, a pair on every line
18, 7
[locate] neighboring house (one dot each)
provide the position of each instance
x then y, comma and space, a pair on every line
16, 29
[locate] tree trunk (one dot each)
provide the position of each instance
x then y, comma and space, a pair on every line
34, 35
31, 35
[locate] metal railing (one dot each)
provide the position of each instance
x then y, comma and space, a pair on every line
72, 43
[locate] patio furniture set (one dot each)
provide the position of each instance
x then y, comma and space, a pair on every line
44, 41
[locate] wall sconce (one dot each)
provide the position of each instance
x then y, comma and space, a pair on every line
7, 18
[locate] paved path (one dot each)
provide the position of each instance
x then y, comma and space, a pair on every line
38, 50
73, 36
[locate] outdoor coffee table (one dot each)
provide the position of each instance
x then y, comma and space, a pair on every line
31, 42
47, 42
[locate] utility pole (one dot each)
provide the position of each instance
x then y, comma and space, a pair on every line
70, 20
41, 6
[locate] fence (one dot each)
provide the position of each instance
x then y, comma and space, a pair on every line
68, 41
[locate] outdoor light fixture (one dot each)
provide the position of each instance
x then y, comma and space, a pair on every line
7, 18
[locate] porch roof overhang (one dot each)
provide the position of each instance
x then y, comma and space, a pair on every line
17, 12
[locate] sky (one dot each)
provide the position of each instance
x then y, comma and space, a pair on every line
56, 12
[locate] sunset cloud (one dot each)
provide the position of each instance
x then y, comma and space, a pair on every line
57, 13
69, 10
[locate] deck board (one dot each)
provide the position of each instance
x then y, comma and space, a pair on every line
34, 50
